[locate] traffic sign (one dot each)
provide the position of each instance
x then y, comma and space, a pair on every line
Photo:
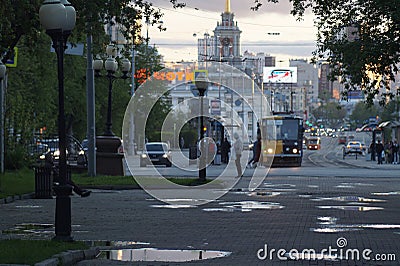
12, 62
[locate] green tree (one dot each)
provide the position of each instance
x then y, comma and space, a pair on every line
362, 112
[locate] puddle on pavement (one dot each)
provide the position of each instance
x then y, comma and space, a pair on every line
350, 198
264, 193
253, 205
163, 255
352, 208
344, 186
173, 206
219, 209
333, 230
187, 201
31, 231
35, 230
114, 244
386, 193
329, 225
306, 196
245, 206
358, 184
278, 185
327, 220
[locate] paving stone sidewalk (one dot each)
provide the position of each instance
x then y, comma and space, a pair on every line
292, 213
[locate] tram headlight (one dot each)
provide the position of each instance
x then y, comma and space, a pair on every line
270, 150
295, 150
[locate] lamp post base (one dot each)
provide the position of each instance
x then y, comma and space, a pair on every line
108, 160
63, 213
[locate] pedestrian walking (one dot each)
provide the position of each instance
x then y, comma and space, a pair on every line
49, 163
256, 153
225, 148
238, 148
395, 152
379, 150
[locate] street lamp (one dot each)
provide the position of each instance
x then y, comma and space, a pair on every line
201, 83
108, 159
111, 66
2, 76
58, 18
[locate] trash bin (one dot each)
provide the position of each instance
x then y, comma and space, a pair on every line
192, 155
43, 183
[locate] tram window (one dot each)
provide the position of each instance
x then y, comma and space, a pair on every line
289, 130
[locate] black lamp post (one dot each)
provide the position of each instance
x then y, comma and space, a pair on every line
3, 71
108, 159
58, 18
111, 66
201, 83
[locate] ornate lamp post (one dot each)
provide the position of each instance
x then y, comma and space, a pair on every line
201, 83
58, 18
109, 161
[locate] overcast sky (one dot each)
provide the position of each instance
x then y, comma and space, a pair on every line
296, 39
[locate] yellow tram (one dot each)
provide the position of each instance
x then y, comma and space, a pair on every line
282, 140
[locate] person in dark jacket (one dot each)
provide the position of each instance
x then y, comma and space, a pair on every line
225, 148
379, 149
49, 163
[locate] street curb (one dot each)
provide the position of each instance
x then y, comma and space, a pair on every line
13, 198
69, 258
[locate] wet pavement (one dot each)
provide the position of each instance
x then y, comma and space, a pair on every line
285, 213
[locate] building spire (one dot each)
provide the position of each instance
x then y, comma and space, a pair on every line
228, 6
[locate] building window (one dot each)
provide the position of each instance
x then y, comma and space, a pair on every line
250, 122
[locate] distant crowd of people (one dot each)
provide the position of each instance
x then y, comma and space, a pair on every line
388, 152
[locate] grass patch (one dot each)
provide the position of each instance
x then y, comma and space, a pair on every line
84, 180
23, 181
33, 251
17, 182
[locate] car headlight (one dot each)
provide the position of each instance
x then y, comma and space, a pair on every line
295, 150
270, 150
81, 152
56, 153
165, 155
144, 156
42, 157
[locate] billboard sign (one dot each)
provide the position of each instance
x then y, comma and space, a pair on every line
215, 107
280, 75
355, 95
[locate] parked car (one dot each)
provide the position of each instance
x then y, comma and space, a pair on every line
74, 149
156, 153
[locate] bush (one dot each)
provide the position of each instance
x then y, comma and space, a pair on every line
15, 158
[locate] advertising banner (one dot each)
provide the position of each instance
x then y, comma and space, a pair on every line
280, 75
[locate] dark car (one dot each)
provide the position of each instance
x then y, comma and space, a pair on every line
156, 153
74, 149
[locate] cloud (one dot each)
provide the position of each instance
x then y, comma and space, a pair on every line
241, 8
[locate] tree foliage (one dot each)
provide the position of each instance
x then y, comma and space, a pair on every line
32, 92
359, 38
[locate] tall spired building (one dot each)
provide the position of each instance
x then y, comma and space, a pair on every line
227, 38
